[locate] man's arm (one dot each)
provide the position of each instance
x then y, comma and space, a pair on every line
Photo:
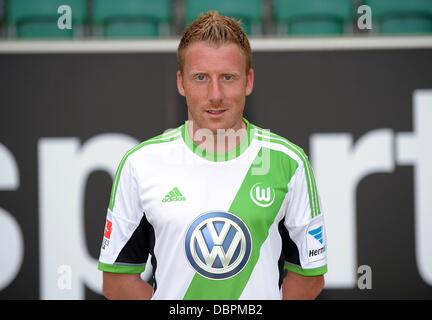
125, 287
298, 287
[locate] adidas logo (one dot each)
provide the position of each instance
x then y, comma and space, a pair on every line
174, 195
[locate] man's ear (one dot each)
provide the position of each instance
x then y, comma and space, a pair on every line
180, 87
249, 82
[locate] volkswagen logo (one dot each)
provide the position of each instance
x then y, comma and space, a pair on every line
218, 245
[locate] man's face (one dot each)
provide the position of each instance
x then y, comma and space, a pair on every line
215, 84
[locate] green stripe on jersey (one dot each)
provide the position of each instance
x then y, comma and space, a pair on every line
266, 135
166, 137
305, 272
258, 220
117, 268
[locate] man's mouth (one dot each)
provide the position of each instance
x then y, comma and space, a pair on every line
216, 111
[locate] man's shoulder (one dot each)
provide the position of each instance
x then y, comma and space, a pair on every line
277, 142
147, 146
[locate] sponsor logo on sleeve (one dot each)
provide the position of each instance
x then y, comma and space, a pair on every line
316, 245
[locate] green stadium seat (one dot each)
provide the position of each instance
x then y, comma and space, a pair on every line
401, 16
38, 19
248, 11
312, 17
132, 18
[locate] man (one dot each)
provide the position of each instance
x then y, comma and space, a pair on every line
223, 207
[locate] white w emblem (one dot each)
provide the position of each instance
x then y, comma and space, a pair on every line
217, 245
262, 195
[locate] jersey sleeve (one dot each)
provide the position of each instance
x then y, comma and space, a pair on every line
127, 237
302, 229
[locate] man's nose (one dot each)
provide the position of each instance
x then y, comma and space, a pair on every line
215, 91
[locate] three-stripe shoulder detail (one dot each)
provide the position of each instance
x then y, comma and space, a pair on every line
265, 135
165, 137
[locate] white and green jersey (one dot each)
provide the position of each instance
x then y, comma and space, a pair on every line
217, 226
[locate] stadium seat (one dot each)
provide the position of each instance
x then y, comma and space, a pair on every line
132, 18
401, 16
248, 11
38, 19
312, 17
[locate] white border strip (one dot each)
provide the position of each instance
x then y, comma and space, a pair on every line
342, 43
258, 44
88, 46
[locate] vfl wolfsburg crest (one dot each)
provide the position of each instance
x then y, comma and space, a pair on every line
262, 195
218, 245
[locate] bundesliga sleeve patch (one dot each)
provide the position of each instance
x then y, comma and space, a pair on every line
107, 231
316, 245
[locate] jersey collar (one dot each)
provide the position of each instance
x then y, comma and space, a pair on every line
218, 156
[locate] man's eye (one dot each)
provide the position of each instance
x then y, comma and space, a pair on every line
228, 77
200, 77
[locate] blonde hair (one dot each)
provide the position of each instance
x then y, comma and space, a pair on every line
215, 29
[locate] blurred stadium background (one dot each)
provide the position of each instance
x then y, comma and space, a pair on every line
24, 19
357, 99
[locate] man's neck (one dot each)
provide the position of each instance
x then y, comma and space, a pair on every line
221, 141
